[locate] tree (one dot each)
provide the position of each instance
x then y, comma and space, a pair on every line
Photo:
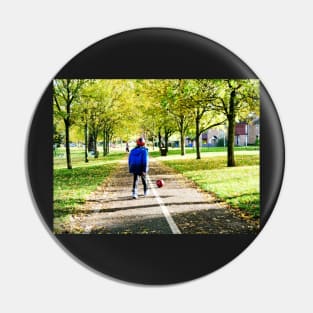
65, 93
176, 102
82, 113
94, 129
120, 114
85, 118
201, 94
235, 99
95, 112
165, 112
155, 120
57, 136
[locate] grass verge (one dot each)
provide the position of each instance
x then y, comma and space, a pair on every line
78, 158
238, 186
176, 151
71, 187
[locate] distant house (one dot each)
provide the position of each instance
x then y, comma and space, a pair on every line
241, 134
208, 138
189, 142
212, 136
254, 131
245, 134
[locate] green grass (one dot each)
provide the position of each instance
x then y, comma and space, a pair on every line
71, 187
204, 155
176, 151
78, 158
238, 186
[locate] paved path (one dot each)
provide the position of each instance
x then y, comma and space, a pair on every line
178, 207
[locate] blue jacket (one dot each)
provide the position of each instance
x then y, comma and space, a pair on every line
138, 161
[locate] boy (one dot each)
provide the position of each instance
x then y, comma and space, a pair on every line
138, 162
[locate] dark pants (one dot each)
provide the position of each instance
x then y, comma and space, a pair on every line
135, 183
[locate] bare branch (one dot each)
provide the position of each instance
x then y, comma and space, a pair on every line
57, 103
211, 126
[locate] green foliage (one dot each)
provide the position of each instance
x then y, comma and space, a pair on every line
123, 109
66, 93
57, 136
220, 142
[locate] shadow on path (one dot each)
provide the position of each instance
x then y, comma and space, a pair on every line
111, 210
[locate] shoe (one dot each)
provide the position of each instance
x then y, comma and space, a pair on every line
146, 193
134, 196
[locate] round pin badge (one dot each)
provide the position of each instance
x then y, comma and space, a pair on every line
155, 156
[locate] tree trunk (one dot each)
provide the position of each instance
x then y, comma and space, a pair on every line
104, 143
198, 138
95, 145
67, 144
160, 138
182, 143
110, 136
90, 142
166, 140
107, 143
231, 131
182, 137
86, 142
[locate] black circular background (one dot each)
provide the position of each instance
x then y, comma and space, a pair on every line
154, 53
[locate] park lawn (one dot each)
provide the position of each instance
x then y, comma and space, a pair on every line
78, 158
238, 186
176, 151
71, 187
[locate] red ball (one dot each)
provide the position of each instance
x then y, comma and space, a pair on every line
160, 183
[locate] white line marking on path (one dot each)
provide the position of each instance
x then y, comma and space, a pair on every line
174, 228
